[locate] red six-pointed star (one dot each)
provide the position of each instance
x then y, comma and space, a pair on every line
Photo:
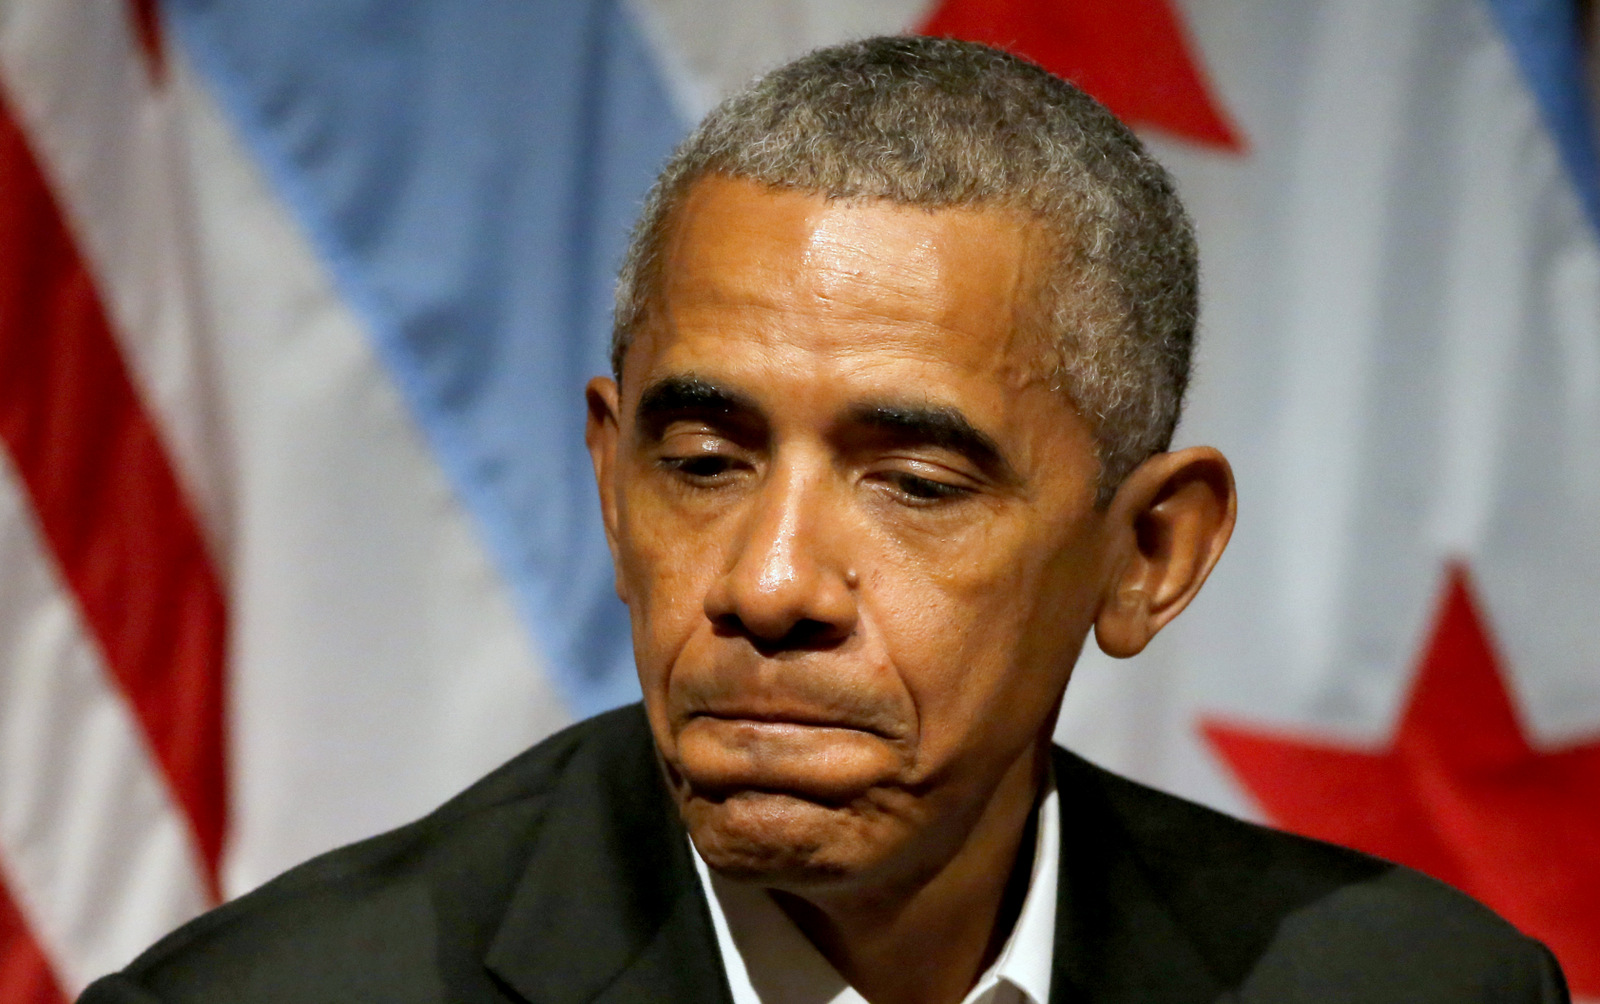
1133, 55
1459, 793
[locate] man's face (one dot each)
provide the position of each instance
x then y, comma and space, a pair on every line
853, 523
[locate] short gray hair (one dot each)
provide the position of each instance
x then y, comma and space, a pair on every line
938, 123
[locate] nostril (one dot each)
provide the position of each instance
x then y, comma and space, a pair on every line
804, 634
729, 626
816, 634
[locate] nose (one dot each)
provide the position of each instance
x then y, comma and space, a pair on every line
785, 584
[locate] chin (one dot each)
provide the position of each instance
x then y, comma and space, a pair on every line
782, 841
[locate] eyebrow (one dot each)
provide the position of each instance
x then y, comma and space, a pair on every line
942, 427
686, 394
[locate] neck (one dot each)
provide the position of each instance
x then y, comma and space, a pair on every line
929, 941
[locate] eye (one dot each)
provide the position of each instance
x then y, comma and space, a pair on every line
919, 490
697, 458
699, 467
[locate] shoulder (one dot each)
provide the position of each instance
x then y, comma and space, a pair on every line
396, 917
1277, 916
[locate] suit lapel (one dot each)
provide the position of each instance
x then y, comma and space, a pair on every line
1116, 939
609, 907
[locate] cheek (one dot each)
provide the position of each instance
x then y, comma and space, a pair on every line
665, 568
983, 632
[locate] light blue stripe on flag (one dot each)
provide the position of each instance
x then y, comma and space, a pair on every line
1546, 37
469, 170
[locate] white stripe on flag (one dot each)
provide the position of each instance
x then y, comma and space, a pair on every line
97, 855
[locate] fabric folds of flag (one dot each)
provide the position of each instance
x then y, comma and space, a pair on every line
113, 780
297, 532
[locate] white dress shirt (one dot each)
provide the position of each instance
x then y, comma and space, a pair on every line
768, 960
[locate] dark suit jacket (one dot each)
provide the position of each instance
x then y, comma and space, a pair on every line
565, 876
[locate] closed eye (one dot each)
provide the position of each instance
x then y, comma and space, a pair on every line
700, 468
923, 491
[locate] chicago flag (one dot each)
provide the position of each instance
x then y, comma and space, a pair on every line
297, 535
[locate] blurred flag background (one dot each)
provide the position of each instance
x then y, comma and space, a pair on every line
297, 532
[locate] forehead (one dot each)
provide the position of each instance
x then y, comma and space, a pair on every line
778, 272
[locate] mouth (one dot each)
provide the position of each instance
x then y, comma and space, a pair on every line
803, 751
769, 720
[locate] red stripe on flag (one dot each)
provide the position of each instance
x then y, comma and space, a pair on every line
25, 974
106, 497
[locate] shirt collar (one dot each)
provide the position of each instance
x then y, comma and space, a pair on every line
768, 960
1027, 956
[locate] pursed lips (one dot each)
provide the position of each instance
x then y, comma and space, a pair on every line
779, 715
811, 751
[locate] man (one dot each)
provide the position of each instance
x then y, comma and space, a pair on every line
901, 341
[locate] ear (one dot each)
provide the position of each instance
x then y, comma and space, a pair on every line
601, 432
1170, 520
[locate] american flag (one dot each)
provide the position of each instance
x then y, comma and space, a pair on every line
113, 616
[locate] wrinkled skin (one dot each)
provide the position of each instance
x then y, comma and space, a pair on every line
855, 528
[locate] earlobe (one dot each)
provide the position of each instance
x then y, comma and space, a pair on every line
1122, 627
1170, 521
601, 432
